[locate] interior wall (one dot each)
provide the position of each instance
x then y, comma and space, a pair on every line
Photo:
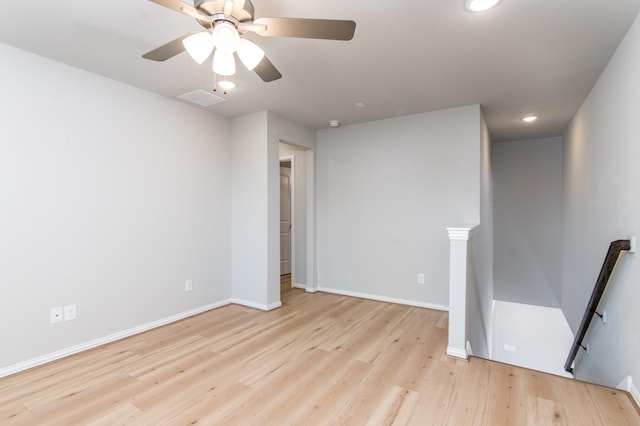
281, 130
299, 268
535, 337
601, 187
249, 210
528, 221
482, 251
387, 191
111, 198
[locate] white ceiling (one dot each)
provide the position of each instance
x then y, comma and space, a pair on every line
407, 56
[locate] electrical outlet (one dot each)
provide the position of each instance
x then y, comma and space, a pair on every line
55, 315
420, 278
69, 312
188, 285
509, 348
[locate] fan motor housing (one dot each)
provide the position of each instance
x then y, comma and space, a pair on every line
242, 9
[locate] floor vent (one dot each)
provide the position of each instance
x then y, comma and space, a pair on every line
202, 98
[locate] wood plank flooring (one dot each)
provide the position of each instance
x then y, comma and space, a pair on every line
320, 359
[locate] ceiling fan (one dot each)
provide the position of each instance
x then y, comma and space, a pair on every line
225, 22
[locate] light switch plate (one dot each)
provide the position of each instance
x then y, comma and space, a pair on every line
69, 312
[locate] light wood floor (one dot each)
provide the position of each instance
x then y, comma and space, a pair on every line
320, 359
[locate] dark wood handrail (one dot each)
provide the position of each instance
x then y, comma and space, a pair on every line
605, 273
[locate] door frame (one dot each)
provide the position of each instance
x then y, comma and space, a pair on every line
292, 233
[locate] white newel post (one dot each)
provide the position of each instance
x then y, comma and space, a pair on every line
458, 252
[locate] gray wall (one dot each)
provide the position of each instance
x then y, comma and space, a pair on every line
282, 130
528, 216
249, 211
386, 192
482, 255
104, 205
602, 204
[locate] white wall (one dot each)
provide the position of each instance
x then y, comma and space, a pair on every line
601, 187
387, 191
536, 337
299, 207
528, 217
111, 198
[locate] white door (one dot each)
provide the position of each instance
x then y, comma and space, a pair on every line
285, 220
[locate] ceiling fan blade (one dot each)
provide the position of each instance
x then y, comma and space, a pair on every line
181, 7
168, 50
267, 71
327, 29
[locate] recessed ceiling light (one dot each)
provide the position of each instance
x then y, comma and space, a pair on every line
360, 105
480, 5
529, 118
334, 123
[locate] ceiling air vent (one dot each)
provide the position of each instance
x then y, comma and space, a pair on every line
202, 98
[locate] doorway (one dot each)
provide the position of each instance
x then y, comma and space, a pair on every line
286, 216
300, 249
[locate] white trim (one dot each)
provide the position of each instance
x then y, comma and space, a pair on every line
490, 331
457, 352
298, 285
469, 348
34, 362
311, 290
633, 390
255, 305
274, 305
627, 385
312, 284
462, 233
292, 213
383, 298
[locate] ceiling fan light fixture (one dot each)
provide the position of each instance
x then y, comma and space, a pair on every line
199, 46
227, 85
224, 63
226, 37
480, 5
250, 54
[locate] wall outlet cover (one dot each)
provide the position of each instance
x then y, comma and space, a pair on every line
56, 315
509, 348
188, 285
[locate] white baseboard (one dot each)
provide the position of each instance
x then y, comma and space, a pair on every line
255, 305
457, 352
301, 286
311, 289
384, 299
469, 348
635, 394
34, 362
627, 385
274, 305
